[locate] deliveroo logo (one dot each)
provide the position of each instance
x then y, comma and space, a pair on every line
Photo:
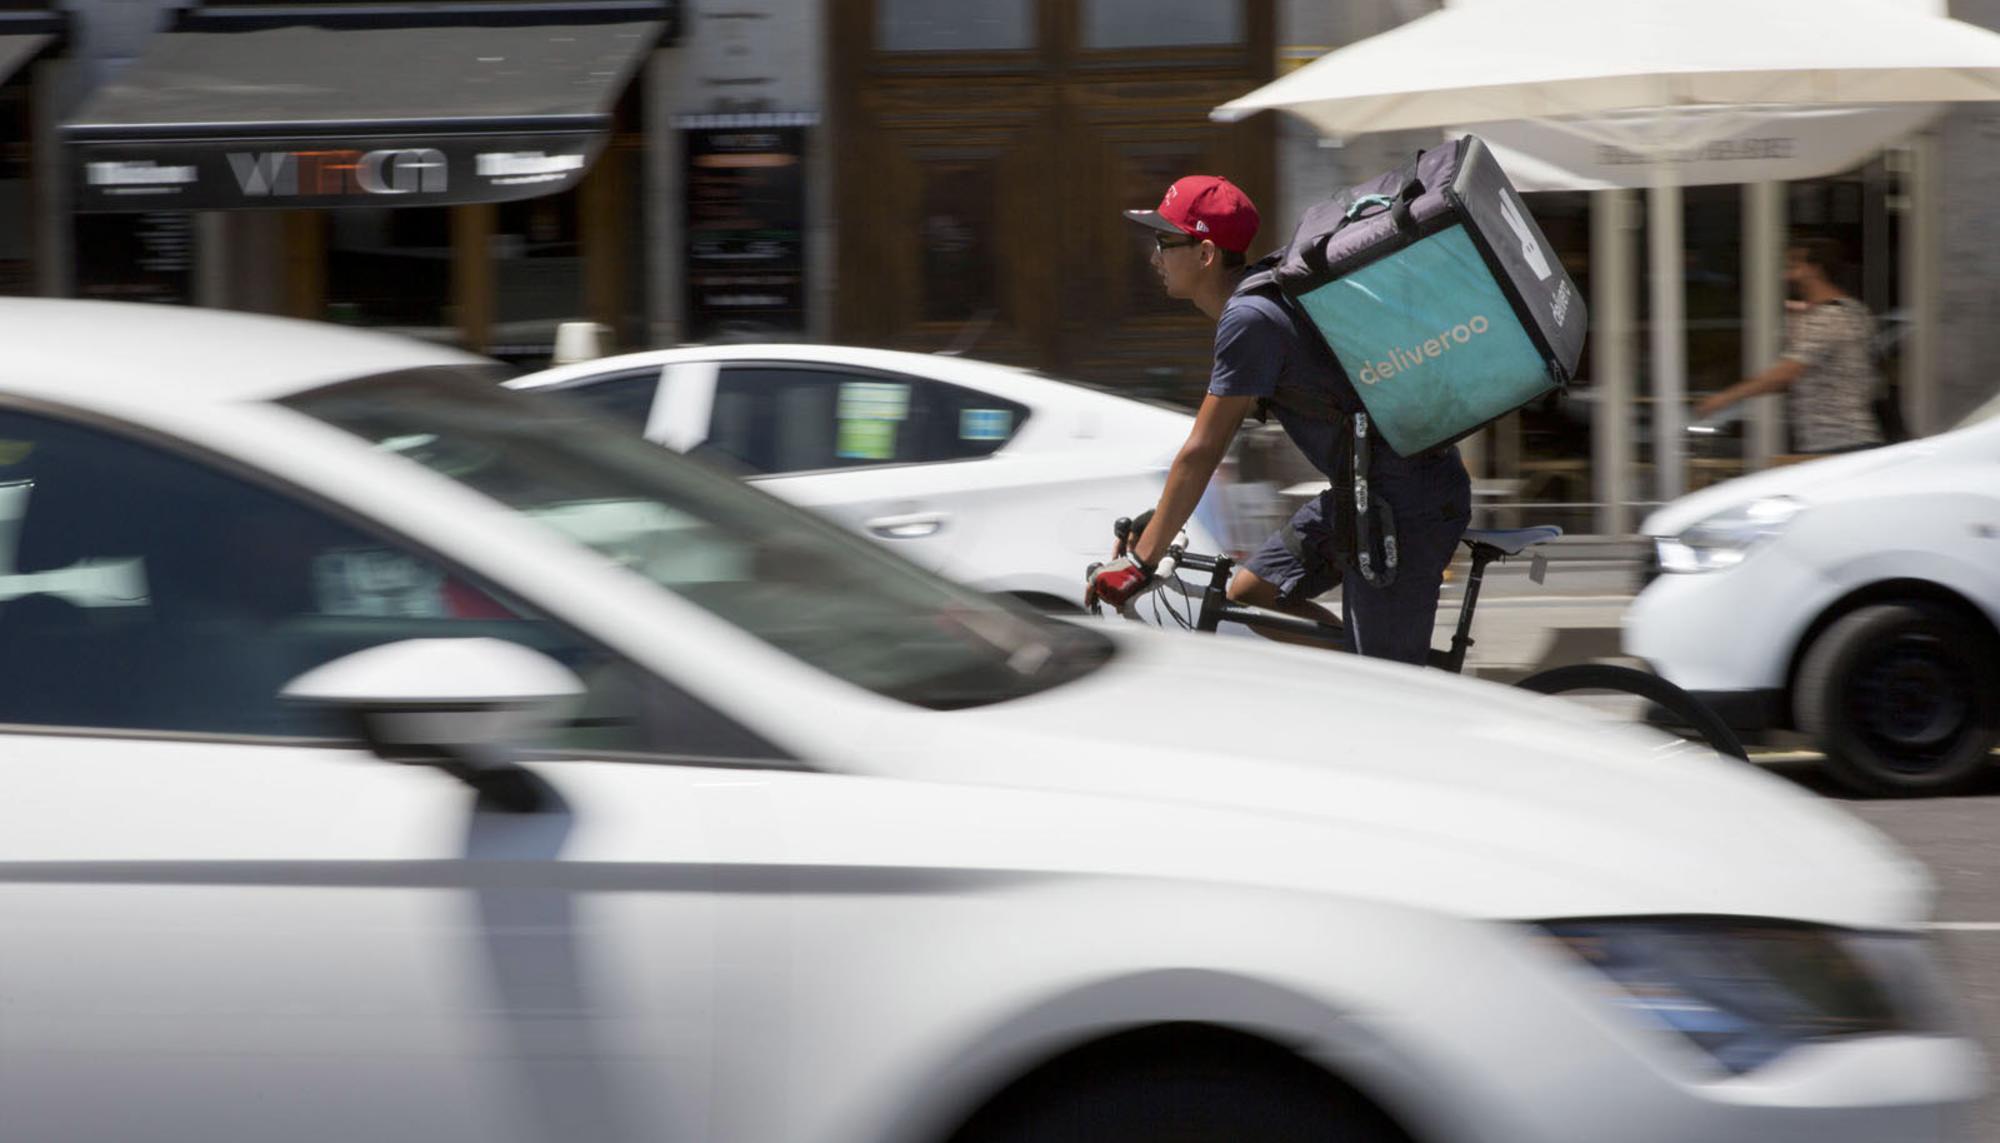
1404, 358
1531, 249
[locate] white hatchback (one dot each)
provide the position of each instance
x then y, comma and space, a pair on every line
997, 477
392, 755
1854, 598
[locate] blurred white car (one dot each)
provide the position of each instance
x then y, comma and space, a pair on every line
825, 849
1855, 598
990, 475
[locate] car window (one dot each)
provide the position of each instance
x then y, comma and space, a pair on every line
624, 397
770, 419
776, 419
832, 600
143, 590
963, 424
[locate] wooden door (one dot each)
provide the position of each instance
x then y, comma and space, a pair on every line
986, 149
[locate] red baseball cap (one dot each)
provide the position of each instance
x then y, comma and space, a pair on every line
1204, 206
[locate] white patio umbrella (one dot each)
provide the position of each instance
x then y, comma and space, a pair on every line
1540, 59
1707, 144
1654, 78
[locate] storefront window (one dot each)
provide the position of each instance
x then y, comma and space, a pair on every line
17, 213
1711, 269
1547, 461
391, 268
1715, 289
538, 276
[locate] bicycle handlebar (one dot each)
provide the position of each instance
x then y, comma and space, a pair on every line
1176, 557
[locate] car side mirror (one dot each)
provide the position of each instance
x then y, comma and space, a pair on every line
465, 706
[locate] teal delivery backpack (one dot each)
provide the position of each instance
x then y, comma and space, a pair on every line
1438, 295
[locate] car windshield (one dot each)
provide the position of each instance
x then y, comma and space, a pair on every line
833, 600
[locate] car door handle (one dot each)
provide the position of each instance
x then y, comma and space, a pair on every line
912, 526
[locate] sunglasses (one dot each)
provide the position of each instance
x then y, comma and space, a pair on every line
1168, 242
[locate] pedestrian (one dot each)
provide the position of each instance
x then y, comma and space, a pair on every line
1826, 368
1264, 351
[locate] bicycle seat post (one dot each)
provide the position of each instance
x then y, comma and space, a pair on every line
1461, 638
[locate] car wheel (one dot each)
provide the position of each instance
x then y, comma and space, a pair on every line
1904, 699
1185, 1102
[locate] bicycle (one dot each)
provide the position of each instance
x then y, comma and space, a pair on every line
1486, 545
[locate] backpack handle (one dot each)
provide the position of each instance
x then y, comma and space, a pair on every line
1368, 200
1398, 204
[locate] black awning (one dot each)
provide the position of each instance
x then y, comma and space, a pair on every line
359, 116
18, 50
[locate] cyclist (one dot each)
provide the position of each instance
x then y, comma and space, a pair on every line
1267, 356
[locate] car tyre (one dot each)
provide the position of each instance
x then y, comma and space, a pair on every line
1193, 1101
1904, 699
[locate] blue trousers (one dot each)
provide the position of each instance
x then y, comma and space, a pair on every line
1432, 503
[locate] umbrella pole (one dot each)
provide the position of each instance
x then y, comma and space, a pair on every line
1663, 226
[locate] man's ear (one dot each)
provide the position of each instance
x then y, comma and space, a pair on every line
1210, 253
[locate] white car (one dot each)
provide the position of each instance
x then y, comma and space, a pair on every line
825, 849
1854, 598
990, 475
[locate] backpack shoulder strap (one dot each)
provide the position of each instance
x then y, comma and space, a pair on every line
1317, 404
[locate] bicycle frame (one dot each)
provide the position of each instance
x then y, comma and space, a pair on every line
1216, 608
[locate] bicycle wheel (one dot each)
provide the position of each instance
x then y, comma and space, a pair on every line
1705, 723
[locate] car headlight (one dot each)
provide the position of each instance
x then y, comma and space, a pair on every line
1724, 539
1746, 992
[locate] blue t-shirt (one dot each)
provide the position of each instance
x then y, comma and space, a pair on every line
1259, 345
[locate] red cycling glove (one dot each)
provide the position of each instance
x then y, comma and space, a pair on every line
1117, 581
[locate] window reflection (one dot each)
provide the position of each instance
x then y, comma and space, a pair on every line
959, 26
1111, 25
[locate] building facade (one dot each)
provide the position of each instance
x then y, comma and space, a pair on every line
467, 173
907, 173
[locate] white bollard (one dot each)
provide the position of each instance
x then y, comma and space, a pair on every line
578, 341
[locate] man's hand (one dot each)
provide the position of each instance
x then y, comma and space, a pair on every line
1117, 582
1712, 404
1130, 539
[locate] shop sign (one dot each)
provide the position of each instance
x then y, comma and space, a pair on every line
745, 248
139, 176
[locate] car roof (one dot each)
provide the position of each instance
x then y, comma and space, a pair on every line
1003, 380
132, 355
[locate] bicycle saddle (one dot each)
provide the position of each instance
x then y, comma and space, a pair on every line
1512, 541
